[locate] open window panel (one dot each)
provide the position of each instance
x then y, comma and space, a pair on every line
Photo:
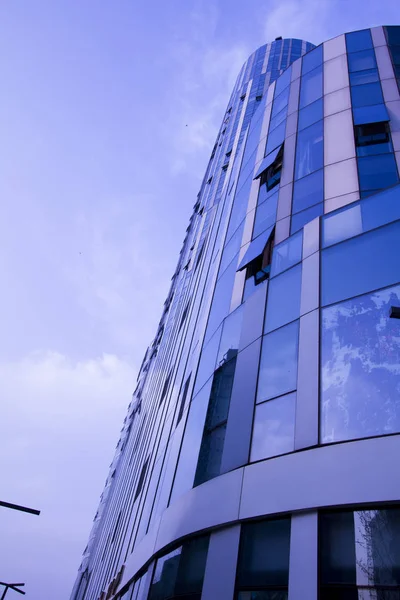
257, 260
270, 169
372, 138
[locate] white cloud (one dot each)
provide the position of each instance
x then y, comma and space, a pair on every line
308, 19
59, 426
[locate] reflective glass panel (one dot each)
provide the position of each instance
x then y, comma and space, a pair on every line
181, 572
360, 554
273, 429
263, 555
369, 214
230, 336
372, 139
283, 81
231, 248
299, 220
377, 172
308, 191
311, 87
221, 299
310, 114
358, 40
366, 95
278, 365
265, 215
287, 254
276, 137
280, 102
283, 303
310, 150
361, 77
360, 367
361, 264
359, 61
311, 60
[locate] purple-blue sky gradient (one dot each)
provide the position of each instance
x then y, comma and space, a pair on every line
108, 114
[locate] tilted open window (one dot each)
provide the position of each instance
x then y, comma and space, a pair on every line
257, 260
270, 169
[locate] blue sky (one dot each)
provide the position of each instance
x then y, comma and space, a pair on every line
98, 176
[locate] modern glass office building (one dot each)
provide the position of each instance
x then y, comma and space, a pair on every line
259, 459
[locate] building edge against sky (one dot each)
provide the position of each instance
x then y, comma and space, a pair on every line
258, 458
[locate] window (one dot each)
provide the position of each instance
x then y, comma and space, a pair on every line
376, 173
273, 429
310, 114
308, 191
287, 254
263, 564
311, 60
183, 400
278, 365
311, 87
265, 214
283, 302
272, 176
165, 388
180, 573
360, 357
359, 40
361, 77
141, 478
360, 554
299, 220
372, 138
184, 315
367, 94
360, 61
260, 267
212, 444
310, 150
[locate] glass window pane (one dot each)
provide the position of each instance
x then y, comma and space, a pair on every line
192, 566
360, 358
265, 215
165, 574
377, 172
278, 365
280, 102
276, 137
283, 81
359, 61
342, 225
367, 76
311, 60
270, 594
210, 455
310, 150
231, 248
299, 220
264, 554
366, 95
283, 303
360, 547
230, 336
310, 114
311, 87
308, 191
361, 264
358, 40
273, 429
221, 300
287, 254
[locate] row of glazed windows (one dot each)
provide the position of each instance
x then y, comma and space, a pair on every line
359, 557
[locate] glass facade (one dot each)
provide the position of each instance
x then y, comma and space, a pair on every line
258, 458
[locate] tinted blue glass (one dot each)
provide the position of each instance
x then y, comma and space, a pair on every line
358, 40
311, 87
278, 365
276, 137
359, 61
230, 336
363, 216
311, 60
287, 254
283, 81
264, 193
370, 114
311, 114
221, 300
377, 172
265, 215
361, 264
280, 102
278, 118
308, 191
283, 303
207, 361
361, 77
393, 34
310, 150
360, 358
239, 205
231, 248
299, 220
366, 95
273, 430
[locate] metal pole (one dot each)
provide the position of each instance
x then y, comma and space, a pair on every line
4, 593
32, 511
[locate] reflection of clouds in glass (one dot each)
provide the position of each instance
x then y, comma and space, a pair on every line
361, 367
273, 432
